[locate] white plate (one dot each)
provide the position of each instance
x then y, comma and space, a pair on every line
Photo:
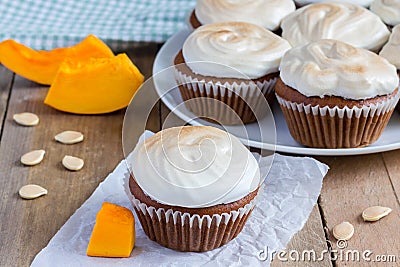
389, 140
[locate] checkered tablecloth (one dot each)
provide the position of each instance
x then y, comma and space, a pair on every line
45, 24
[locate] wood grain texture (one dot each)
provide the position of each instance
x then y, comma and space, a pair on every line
310, 238
27, 225
353, 184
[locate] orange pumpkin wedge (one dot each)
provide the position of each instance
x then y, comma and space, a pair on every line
98, 85
42, 66
114, 232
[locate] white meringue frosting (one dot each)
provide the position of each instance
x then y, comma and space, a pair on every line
334, 68
387, 10
391, 51
346, 22
194, 167
364, 3
240, 49
265, 13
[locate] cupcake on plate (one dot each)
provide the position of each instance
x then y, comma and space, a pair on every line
345, 22
387, 10
391, 50
334, 95
364, 3
226, 70
265, 13
193, 187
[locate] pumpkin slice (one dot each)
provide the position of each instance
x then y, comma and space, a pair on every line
99, 85
114, 232
42, 66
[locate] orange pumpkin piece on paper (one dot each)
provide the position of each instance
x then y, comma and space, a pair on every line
114, 232
42, 66
98, 85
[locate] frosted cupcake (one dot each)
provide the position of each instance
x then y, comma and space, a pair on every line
391, 50
193, 188
235, 64
387, 10
345, 22
364, 3
334, 95
265, 13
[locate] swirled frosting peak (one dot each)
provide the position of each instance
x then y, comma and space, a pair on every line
240, 49
387, 10
334, 68
391, 50
364, 3
194, 167
341, 21
265, 13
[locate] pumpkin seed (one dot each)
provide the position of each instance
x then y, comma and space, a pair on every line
69, 137
343, 231
73, 163
26, 119
33, 157
375, 213
32, 191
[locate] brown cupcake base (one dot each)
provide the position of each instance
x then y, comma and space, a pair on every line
224, 100
316, 122
194, 22
186, 230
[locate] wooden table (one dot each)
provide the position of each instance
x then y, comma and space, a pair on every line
352, 184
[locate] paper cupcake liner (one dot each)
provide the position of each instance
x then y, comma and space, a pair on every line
241, 103
189, 232
186, 232
325, 127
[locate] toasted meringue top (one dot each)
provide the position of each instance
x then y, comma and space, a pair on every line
391, 51
334, 68
265, 13
194, 167
242, 50
341, 21
364, 3
387, 10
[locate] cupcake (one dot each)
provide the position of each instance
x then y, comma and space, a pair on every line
391, 50
364, 3
193, 187
226, 70
387, 10
345, 22
265, 13
334, 95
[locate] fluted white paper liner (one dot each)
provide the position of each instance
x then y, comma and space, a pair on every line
336, 127
246, 99
190, 232
291, 189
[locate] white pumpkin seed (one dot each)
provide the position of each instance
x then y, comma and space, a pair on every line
343, 231
69, 137
32, 158
73, 163
26, 119
375, 213
32, 191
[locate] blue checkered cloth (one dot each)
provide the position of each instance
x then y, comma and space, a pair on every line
46, 24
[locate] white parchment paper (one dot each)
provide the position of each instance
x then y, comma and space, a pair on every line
291, 190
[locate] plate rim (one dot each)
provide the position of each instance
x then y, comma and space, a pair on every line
257, 144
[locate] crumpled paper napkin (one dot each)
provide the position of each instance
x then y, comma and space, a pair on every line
291, 190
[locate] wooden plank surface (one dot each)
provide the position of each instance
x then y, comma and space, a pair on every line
27, 226
310, 238
353, 184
